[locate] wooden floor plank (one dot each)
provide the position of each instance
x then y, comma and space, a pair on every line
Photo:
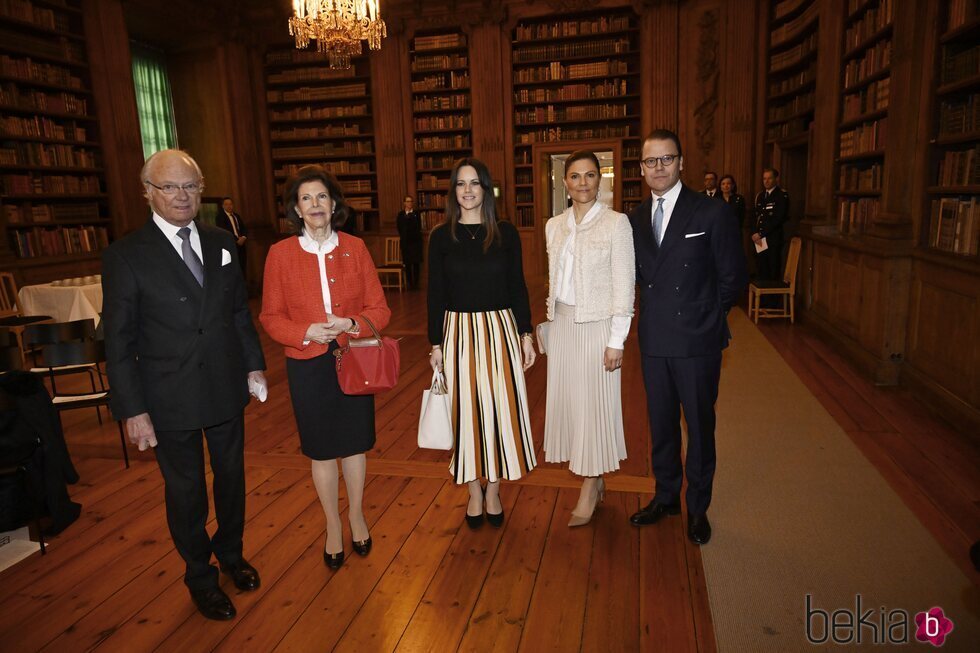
666, 622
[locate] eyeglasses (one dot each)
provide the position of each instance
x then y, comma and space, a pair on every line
192, 188
666, 160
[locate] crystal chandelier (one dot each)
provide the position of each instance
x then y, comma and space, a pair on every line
338, 27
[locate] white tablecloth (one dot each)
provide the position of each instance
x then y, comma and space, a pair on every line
63, 303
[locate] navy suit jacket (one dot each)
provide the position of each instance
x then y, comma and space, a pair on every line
688, 283
174, 349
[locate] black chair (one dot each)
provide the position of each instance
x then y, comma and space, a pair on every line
87, 352
16, 511
49, 333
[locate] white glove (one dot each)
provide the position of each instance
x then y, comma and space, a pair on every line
258, 389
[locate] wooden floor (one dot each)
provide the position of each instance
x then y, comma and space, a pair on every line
112, 581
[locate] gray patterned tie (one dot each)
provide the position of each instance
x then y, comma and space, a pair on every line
658, 219
190, 256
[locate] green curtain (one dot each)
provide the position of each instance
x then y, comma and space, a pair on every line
153, 101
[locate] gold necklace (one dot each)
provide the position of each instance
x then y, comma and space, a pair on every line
472, 234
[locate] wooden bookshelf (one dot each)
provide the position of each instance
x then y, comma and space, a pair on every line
953, 224
863, 117
791, 80
441, 117
53, 206
322, 116
575, 78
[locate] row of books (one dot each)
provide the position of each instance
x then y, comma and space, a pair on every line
438, 62
357, 185
607, 89
875, 19
57, 47
793, 82
29, 70
30, 213
790, 28
431, 219
59, 241
568, 28
445, 121
454, 142
311, 74
954, 225
433, 182
451, 80
46, 155
296, 133
292, 55
13, 95
960, 167
960, 116
438, 161
788, 129
866, 137
597, 48
524, 216
524, 196
15, 184
860, 178
432, 200
556, 71
324, 149
29, 13
551, 113
872, 97
558, 134
790, 56
336, 167
960, 62
791, 107
854, 215
523, 178
441, 102
875, 59
42, 127
308, 113
312, 93
961, 12
439, 41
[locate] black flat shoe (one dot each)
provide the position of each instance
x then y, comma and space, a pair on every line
698, 528
654, 512
474, 521
496, 520
213, 603
333, 560
363, 547
245, 576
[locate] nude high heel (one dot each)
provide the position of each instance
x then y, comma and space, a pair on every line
582, 520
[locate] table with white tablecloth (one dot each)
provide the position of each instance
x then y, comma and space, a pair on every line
65, 303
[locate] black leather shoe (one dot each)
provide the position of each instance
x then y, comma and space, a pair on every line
474, 521
698, 528
496, 520
246, 577
213, 603
654, 512
363, 547
333, 560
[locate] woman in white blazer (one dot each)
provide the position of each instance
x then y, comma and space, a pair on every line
591, 272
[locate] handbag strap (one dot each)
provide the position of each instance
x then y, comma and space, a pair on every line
370, 324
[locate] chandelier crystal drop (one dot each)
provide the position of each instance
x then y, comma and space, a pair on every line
338, 27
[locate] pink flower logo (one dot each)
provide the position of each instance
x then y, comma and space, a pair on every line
933, 626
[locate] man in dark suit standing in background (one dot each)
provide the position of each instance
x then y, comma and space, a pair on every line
690, 270
182, 353
711, 184
410, 232
230, 221
771, 213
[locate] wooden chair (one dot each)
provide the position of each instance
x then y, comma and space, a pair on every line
88, 352
49, 333
11, 315
785, 288
392, 273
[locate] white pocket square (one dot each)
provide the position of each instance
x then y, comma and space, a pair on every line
225, 257
700, 233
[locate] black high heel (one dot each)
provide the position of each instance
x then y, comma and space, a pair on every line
333, 560
496, 520
363, 547
475, 521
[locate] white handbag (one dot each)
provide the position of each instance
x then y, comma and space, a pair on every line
542, 332
435, 418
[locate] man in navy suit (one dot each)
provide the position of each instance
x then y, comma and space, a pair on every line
690, 269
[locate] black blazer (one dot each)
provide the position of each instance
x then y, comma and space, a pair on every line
688, 282
410, 231
176, 350
222, 222
737, 202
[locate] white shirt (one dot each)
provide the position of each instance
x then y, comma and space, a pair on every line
565, 285
670, 201
322, 251
170, 231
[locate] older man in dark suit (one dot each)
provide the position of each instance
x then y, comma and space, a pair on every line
181, 352
690, 270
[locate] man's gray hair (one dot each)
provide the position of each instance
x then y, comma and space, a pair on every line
150, 162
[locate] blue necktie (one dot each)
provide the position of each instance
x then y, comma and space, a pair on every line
658, 219
190, 256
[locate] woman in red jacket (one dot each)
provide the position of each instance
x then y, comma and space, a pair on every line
319, 288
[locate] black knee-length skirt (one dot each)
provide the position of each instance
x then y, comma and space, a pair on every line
331, 424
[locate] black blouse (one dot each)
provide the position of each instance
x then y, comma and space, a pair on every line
463, 278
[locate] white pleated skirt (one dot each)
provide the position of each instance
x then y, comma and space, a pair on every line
484, 372
583, 422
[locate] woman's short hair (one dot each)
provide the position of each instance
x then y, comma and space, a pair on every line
581, 155
290, 196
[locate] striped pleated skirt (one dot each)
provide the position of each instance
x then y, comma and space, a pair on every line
583, 422
484, 373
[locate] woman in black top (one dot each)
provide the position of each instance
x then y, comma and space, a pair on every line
410, 233
480, 328
729, 193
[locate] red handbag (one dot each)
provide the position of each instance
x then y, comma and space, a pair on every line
367, 366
